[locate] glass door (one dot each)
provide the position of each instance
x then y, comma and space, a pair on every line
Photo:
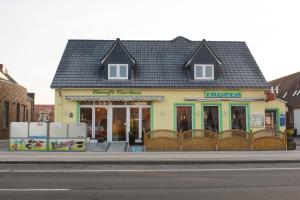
270, 119
119, 124
101, 123
86, 116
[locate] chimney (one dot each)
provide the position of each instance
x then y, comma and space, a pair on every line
1, 68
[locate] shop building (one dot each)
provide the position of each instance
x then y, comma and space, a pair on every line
119, 87
16, 105
288, 89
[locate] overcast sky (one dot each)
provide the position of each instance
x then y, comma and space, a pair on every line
33, 33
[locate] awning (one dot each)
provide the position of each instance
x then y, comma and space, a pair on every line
115, 98
224, 99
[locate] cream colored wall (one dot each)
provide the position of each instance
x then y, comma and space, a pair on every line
163, 112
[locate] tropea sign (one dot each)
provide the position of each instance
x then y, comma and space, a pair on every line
223, 94
115, 92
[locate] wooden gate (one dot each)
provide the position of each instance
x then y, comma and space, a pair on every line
162, 140
269, 139
198, 140
233, 140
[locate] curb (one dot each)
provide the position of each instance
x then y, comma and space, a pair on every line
152, 162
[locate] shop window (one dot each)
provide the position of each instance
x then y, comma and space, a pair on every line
204, 72
146, 120
183, 118
86, 117
238, 117
117, 71
271, 119
134, 122
5, 114
211, 118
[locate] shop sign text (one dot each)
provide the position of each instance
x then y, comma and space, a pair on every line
116, 92
223, 94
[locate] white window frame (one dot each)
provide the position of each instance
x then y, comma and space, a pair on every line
118, 71
204, 77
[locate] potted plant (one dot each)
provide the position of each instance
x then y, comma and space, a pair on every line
291, 144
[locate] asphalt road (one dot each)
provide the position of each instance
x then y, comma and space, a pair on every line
259, 181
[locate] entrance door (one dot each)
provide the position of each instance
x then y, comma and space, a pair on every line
119, 124
270, 119
101, 123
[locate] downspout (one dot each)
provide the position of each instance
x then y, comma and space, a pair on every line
60, 105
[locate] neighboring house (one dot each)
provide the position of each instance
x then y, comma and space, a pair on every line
44, 113
16, 105
289, 91
123, 86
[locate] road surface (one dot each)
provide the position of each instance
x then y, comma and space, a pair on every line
66, 182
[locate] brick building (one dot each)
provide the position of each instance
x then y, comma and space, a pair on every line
44, 113
15, 103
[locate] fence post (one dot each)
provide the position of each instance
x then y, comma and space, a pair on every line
145, 140
180, 138
251, 140
216, 139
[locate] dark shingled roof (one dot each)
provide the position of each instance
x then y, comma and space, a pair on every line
289, 89
160, 64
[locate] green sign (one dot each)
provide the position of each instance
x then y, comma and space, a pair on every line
116, 92
223, 94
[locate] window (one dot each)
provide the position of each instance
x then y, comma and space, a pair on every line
117, 71
204, 72
18, 112
183, 118
238, 117
5, 114
211, 118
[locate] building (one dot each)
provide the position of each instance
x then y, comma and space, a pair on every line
16, 105
134, 86
289, 90
44, 113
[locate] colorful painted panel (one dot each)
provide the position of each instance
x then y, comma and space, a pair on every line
67, 144
28, 144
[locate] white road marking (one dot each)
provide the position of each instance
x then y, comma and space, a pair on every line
33, 189
144, 170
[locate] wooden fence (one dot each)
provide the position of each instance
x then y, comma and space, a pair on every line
204, 140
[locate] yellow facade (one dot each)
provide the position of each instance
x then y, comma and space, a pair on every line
163, 113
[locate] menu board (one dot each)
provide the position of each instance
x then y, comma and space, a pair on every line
58, 130
257, 120
19, 130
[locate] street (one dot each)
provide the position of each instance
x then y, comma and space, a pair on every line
80, 181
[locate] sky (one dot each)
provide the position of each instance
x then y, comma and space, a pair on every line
33, 33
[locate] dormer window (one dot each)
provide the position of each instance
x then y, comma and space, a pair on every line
204, 72
117, 71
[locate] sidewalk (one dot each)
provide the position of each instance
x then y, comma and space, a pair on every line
207, 157
204, 157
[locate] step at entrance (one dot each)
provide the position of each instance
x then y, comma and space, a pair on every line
117, 147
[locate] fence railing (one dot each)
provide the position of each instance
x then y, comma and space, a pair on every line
204, 140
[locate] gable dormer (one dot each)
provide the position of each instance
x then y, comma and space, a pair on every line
118, 63
203, 63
